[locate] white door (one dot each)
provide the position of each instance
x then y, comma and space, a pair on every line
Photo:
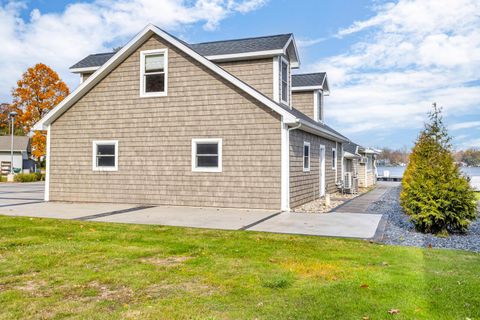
322, 170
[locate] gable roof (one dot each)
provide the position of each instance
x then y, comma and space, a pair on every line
288, 116
216, 50
310, 81
351, 147
20, 143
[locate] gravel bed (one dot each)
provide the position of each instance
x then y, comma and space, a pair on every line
400, 231
319, 206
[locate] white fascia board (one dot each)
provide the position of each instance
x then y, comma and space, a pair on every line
245, 55
295, 64
309, 88
83, 70
129, 49
325, 86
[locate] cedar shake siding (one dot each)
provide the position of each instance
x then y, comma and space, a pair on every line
305, 186
256, 73
155, 140
303, 102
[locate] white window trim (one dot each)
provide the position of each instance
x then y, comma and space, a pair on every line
194, 155
143, 54
95, 143
334, 159
306, 143
282, 59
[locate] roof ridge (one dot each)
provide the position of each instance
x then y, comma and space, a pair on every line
307, 74
246, 38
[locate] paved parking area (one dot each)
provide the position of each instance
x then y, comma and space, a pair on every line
27, 200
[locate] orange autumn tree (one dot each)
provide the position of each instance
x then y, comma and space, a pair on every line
38, 92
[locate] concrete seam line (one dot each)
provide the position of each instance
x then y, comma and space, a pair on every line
111, 213
260, 221
20, 204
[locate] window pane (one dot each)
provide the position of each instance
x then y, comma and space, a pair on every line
306, 150
284, 91
207, 161
207, 148
305, 162
154, 63
106, 149
155, 82
105, 161
284, 71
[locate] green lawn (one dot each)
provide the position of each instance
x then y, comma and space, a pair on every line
58, 269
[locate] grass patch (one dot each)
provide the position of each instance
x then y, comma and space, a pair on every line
62, 269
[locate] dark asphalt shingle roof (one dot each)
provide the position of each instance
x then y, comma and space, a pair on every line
93, 60
20, 143
242, 45
308, 79
306, 118
207, 48
350, 147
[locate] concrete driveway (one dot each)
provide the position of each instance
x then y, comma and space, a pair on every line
27, 200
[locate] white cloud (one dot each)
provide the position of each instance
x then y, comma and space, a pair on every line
60, 39
465, 125
408, 55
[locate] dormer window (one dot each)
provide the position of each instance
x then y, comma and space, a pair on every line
284, 79
153, 73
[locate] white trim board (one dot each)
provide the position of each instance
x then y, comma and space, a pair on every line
96, 143
85, 69
195, 167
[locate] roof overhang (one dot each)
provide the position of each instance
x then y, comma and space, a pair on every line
291, 49
130, 48
245, 55
317, 130
349, 155
84, 70
323, 87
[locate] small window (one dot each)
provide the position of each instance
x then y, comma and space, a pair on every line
153, 80
320, 106
306, 156
207, 155
105, 155
284, 80
334, 158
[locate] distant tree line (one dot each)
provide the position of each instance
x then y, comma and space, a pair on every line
393, 157
469, 157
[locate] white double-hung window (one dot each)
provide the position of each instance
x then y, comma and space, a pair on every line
153, 73
284, 81
105, 155
207, 155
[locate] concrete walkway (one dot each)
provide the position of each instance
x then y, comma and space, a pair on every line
361, 203
26, 200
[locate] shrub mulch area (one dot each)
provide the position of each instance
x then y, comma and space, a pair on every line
400, 231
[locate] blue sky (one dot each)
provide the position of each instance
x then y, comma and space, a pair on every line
387, 61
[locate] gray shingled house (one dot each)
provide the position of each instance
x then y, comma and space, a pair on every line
221, 124
22, 152
359, 163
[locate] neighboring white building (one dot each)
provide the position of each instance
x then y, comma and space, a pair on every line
21, 152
